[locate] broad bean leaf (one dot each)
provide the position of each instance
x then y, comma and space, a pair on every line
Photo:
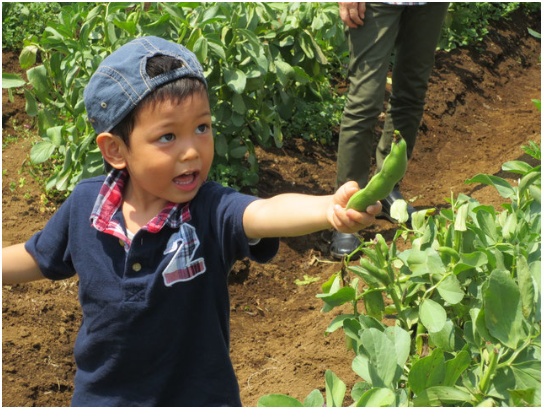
41, 151
12, 81
235, 79
445, 338
502, 306
423, 262
517, 166
502, 186
432, 315
526, 287
37, 77
382, 362
401, 340
377, 397
314, 399
278, 400
442, 396
455, 367
427, 372
450, 290
335, 389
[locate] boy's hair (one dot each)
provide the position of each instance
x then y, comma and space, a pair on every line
175, 91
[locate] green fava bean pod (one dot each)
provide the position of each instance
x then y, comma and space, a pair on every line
381, 184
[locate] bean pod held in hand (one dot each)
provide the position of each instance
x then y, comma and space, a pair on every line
381, 184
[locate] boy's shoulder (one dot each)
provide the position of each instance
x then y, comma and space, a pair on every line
90, 186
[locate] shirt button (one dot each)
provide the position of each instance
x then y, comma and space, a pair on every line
122, 243
137, 267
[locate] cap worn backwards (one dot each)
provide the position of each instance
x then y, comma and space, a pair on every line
121, 80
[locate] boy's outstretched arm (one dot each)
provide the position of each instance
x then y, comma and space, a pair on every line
19, 266
297, 214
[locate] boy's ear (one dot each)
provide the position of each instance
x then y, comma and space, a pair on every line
113, 149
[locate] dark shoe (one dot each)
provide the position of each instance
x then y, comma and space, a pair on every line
344, 244
388, 201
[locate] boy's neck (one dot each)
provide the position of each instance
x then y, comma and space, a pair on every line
139, 209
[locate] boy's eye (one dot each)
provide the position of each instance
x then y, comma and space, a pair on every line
167, 138
202, 128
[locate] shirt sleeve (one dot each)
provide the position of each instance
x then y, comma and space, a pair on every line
227, 221
50, 246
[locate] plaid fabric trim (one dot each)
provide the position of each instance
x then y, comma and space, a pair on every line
110, 199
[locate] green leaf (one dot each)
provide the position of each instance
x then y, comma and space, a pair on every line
278, 400
235, 79
335, 389
488, 225
285, 72
31, 106
201, 49
427, 372
526, 287
502, 306
461, 218
343, 295
517, 166
432, 315
528, 180
455, 367
382, 354
338, 322
27, 58
450, 290
54, 134
41, 151
444, 338
423, 262
502, 186
440, 396
401, 340
12, 81
38, 78
314, 399
377, 397
359, 389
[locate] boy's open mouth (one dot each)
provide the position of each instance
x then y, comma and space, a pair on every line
186, 178
186, 181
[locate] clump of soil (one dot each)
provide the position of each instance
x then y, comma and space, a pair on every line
478, 114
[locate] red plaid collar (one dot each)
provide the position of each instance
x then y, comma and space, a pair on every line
110, 199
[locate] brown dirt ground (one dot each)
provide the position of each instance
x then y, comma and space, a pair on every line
478, 114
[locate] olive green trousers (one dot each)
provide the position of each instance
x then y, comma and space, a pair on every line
412, 33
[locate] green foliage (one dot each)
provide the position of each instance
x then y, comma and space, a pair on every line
466, 296
259, 60
19, 20
467, 23
316, 121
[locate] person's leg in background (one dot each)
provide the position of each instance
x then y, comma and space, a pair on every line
418, 36
370, 54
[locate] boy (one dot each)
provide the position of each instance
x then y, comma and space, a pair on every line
153, 242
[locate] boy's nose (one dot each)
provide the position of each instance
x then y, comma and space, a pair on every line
189, 153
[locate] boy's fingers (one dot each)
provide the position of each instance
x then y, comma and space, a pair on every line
374, 209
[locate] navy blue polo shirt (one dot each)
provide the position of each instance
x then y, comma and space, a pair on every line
155, 329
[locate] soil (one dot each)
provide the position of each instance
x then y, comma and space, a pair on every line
478, 115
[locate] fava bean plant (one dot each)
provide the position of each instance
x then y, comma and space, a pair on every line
259, 60
465, 299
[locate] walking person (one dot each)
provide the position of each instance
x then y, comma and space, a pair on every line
374, 32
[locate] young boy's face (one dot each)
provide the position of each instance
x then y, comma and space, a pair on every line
171, 149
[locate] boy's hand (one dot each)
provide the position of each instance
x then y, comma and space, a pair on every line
350, 221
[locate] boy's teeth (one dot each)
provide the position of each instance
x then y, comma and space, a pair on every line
185, 178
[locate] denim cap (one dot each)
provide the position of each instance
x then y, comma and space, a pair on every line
121, 81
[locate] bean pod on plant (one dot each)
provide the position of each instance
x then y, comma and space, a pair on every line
381, 184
